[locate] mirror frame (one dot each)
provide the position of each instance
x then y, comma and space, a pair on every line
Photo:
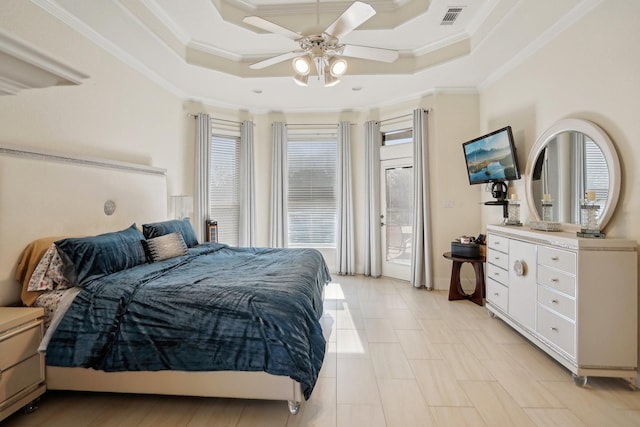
602, 140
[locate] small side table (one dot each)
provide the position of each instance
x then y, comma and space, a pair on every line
455, 288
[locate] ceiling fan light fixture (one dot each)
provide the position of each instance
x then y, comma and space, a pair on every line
302, 80
330, 80
302, 65
337, 66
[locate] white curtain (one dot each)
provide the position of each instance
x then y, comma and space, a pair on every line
421, 264
372, 143
279, 186
202, 170
247, 225
345, 239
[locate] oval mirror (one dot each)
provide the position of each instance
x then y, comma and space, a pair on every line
572, 159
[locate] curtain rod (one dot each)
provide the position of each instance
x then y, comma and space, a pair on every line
316, 124
426, 110
217, 120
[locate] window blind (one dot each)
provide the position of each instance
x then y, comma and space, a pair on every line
596, 172
224, 187
312, 162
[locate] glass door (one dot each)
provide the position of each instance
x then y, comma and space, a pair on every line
397, 216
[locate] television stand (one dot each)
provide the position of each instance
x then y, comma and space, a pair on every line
499, 191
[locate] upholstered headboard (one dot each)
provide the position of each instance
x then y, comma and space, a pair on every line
43, 193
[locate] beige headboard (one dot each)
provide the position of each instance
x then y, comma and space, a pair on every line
43, 193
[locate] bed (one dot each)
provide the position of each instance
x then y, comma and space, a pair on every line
149, 310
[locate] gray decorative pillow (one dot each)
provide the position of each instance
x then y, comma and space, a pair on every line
164, 247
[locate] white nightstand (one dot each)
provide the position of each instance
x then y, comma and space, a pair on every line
22, 371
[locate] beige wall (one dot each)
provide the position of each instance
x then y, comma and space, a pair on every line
115, 114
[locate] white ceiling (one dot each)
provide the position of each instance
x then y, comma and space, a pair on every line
201, 50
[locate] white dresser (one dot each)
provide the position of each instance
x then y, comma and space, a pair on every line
575, 298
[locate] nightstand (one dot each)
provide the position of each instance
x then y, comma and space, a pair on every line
22, 377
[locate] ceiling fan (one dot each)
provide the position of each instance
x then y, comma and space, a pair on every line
323, 49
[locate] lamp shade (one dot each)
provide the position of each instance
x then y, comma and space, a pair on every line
329, 79
302, 80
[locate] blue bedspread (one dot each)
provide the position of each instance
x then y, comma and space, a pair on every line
218, 308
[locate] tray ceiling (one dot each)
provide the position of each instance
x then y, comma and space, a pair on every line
201, 49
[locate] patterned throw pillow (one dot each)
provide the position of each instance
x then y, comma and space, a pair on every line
164, 247
48, 274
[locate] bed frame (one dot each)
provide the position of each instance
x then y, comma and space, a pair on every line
229, 384
60, 183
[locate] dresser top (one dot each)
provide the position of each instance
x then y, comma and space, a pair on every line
11, 317
563, 239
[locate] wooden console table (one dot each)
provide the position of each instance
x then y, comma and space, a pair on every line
455, 288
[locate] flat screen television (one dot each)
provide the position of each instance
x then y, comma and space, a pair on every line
492, 157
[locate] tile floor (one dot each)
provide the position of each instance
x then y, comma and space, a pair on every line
397, 357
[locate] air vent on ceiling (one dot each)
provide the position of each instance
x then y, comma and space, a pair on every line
451, 15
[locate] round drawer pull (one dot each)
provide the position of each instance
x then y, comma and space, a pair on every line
555, 280
554, 329
520, 268
496, 294
555, 258
555, 301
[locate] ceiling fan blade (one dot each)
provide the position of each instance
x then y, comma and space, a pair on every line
276, 59
263, 24
357, 14
372, 53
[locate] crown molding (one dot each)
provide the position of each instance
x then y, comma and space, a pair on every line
23, 67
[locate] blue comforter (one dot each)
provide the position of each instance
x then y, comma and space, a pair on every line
217, 308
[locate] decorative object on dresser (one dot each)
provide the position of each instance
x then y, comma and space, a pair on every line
22, 378
566, 295
513, 211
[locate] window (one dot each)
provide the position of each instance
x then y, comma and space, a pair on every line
311, 162
395, 137
224, 186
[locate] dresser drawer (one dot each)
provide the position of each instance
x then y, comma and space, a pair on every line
556, 258
555, 301
19, 344
556, 329
556, 279
497, 258
498, 243
497, 294
17, 378
499, 274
